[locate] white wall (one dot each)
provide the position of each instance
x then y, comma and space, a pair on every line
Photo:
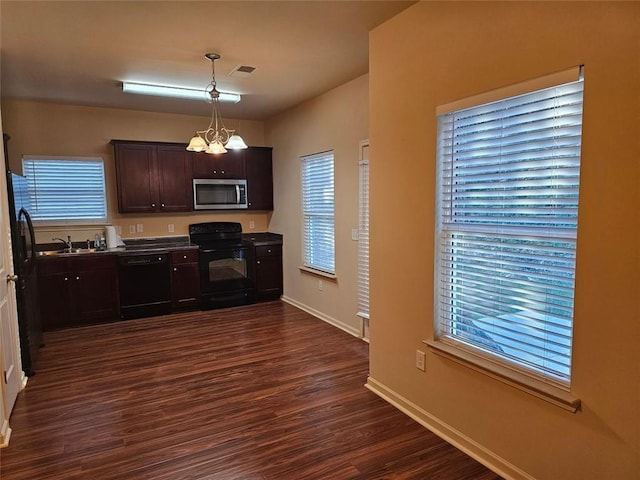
437, 52
338, 121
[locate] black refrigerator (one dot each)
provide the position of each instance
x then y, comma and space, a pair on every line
24, 266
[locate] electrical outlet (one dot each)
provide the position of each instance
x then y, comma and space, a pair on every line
420, 360
355, 234
252, 224
119, 229
171, 227
320, 285
139, 228
132, 229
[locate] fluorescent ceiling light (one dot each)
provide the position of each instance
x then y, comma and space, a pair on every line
178, 92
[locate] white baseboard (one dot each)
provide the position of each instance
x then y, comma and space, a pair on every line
459, 440
326, 318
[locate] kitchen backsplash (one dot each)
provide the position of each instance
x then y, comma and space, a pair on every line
153, 226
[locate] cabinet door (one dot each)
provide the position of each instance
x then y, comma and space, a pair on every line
94, 294
227, 165
185, 286
268, 273
53, 293
174, 179
233, 165
55, 307
93, 288
136, 171
185, 279
259, 178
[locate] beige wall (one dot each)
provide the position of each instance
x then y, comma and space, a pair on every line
334, 121
38, 128
437, 52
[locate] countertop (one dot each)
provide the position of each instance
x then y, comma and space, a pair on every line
132, 246
149, 245
264, 238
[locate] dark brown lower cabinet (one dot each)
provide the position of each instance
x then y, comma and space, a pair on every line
185, 280
268, 272
75, 290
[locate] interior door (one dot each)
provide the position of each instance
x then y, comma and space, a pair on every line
11, 366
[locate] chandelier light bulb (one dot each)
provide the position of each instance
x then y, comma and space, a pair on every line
197, 144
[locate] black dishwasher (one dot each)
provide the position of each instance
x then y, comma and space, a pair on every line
145, 285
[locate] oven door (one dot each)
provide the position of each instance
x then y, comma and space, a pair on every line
224, 277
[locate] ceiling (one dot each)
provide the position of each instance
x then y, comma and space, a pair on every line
80, 52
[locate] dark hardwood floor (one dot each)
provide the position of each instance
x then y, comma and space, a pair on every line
258, 392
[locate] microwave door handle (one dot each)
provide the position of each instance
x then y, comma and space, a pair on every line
237, 194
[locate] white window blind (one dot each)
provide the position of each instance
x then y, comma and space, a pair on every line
66, 190
318, 212
507, 212
363, 242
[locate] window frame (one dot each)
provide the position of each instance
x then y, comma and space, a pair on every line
322, 212
363, 231
32, 191
525, 378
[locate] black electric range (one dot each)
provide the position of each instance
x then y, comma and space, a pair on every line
224, 260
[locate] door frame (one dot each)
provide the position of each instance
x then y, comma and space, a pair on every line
12, 379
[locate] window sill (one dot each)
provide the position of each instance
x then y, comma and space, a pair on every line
545, 391
319, 273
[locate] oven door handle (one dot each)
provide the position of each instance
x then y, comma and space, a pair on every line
237, 194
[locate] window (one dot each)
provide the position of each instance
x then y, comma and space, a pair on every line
363, 235
507, 208
318, 212
65, 190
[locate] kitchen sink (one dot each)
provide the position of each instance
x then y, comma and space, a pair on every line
46, 253
79, 250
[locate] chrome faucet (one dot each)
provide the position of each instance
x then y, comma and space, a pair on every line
66, 242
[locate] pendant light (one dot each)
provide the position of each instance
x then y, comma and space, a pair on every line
216, 137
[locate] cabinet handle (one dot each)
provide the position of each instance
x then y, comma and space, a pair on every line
269, 251
65, 279
153, 205
222, 171
162, 205
258, 262
77, 278
184, 256
175, 269
215, 171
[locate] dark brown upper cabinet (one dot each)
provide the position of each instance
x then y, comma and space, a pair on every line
153, 177
226, 165
259, 177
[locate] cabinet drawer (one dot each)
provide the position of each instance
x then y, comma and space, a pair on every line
184, 256
269, 250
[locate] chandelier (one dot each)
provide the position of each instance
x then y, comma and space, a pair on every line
216, 137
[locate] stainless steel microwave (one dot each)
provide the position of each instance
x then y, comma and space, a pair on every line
219, 194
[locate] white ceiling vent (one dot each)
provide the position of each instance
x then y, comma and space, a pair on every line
242, 71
